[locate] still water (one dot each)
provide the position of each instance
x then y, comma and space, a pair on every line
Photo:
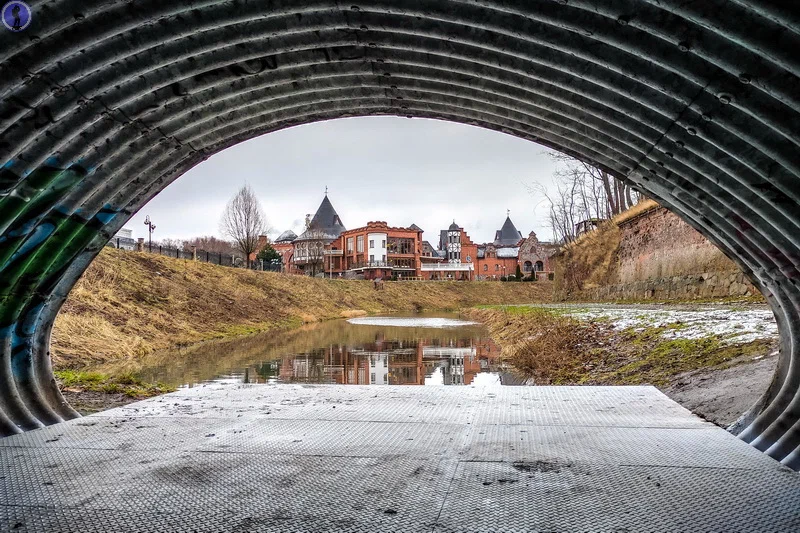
388, 350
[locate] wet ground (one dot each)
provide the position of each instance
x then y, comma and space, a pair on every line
310, 458
445, 349
423, 349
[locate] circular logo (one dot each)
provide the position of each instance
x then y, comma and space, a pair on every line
16, 16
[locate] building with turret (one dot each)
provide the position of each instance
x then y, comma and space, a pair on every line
380, 251
455, 257
315, 250
510, 250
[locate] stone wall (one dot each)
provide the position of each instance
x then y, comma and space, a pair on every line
685, 287
658, 256
657, 244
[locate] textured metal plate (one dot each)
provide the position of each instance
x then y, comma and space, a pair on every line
330, 458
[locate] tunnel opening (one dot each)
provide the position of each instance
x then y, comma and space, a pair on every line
683, 102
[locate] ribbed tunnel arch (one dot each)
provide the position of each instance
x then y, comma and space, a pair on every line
106, 102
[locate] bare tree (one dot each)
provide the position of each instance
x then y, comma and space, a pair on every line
170, 243
311, 249
243, 221
209, 243
583, 193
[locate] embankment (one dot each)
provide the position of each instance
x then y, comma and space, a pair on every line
646, 253
130, 304
711, 372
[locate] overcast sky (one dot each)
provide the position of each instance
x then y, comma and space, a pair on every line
403, 171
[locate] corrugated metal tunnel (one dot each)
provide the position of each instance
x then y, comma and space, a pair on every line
106, 102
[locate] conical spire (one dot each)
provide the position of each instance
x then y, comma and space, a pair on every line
508, 235
327, 219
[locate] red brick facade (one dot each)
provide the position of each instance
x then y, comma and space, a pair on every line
380, 251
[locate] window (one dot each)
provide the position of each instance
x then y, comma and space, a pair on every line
396, 245
384, 259
349, 244
527, 266
485, 268
372, 378
383, 243
371, 243
360, 244
372, 362
496, 267
539, 266
372, 259
469, 259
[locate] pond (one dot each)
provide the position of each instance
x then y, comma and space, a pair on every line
423, 349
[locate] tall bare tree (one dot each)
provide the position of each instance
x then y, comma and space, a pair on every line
244, 221
583, 192
311, 249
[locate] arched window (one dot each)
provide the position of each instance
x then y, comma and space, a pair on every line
539, 266
496, 267
485, 267
527, 266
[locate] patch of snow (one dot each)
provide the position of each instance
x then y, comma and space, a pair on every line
733, 326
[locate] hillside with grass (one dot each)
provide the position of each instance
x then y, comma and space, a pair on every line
685, 350
128, 304
643, 254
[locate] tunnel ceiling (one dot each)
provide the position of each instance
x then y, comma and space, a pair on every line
105, 102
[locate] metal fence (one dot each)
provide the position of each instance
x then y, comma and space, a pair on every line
216, 258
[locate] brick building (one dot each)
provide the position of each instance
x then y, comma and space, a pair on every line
380, 251
510, 249
316, 250
455, 258
284, 245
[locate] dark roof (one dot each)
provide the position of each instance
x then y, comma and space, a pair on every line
327, 220
508, 235
286, 236
415, 227
453, 227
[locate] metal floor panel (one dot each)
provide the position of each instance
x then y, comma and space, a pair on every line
418, 459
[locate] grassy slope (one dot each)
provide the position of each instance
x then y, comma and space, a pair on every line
130, 304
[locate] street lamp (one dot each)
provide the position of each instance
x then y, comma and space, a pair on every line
150, 228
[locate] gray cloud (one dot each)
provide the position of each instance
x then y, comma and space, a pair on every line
377, 168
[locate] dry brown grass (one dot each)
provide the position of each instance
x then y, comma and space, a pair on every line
129, 304
550, 348
591, 260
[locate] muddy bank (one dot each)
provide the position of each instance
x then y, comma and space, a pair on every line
715, 360
722, 395
89, 402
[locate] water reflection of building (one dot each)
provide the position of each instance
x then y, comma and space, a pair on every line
387, 362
